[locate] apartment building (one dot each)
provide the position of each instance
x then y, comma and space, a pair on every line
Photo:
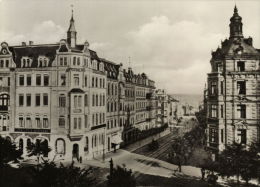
233, 96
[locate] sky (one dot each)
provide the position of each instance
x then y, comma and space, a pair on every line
171, 41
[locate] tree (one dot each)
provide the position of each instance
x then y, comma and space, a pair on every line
38, 149
236, 160
8, 152
120, 177
49, 174
179, 152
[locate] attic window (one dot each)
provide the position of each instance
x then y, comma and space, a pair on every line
240, 66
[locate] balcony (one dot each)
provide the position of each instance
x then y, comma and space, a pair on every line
32, 130
98, 127
4, 108
77, 110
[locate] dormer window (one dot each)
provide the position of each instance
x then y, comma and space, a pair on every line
240, 66
40, 62
45, 62
26, 62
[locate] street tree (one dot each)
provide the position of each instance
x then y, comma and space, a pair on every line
237, 160
120, 177
8, 152
39, 149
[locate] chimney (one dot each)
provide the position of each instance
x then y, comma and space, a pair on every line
23, 43
30, 42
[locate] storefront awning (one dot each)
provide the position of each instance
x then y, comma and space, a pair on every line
116, 139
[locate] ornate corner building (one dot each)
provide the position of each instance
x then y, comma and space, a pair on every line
233, 96
66, 96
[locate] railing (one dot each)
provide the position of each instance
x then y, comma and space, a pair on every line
32, 130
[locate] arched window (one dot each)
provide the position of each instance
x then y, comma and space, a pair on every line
112, 108
115, 106
60, 146
96, 100
100, 100
95, 140
29, 142
97, 118
108, 107
112, 89
103, 100
108, 89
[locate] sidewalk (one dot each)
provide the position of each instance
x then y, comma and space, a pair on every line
134, 146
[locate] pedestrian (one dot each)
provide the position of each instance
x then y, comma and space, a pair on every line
202, 173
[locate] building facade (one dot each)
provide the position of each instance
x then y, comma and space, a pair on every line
67, 97
233, 96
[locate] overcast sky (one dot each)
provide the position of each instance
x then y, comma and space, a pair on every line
171, 41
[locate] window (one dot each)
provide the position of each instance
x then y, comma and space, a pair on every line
221, 87
65, 61
221, 111
21, 99
213, 134
21, 123
86, 100
86, 146
8, 81
86, 121
93, 100
241, 133
241, 87
29, 80
115, 90
75, 123
60, 146
62, 101
79, 101
213, 88
28, 122
76, 80
78, 61
74, 61
213, 111
79, 123
241, 109
108, 89
45, 99
38, 123
7, 63
86, 81
240, 66
93, 82
28, 100
96, 100
100, 83
75, 101
46, 80
96, 82
21, 80
38, 80
222, 135
61, 61
63, 80
45, 123
37, 99
61, 122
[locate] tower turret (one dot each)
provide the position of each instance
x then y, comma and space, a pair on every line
72, 33
236, 25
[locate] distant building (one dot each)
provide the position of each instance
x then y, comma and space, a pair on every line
233, 101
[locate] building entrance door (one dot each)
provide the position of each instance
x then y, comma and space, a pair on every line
75, 151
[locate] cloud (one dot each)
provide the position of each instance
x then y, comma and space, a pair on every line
174, 54
44, 32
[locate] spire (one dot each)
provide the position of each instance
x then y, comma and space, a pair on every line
236, 25
72, 33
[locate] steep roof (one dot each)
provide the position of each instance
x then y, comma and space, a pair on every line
34, 51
